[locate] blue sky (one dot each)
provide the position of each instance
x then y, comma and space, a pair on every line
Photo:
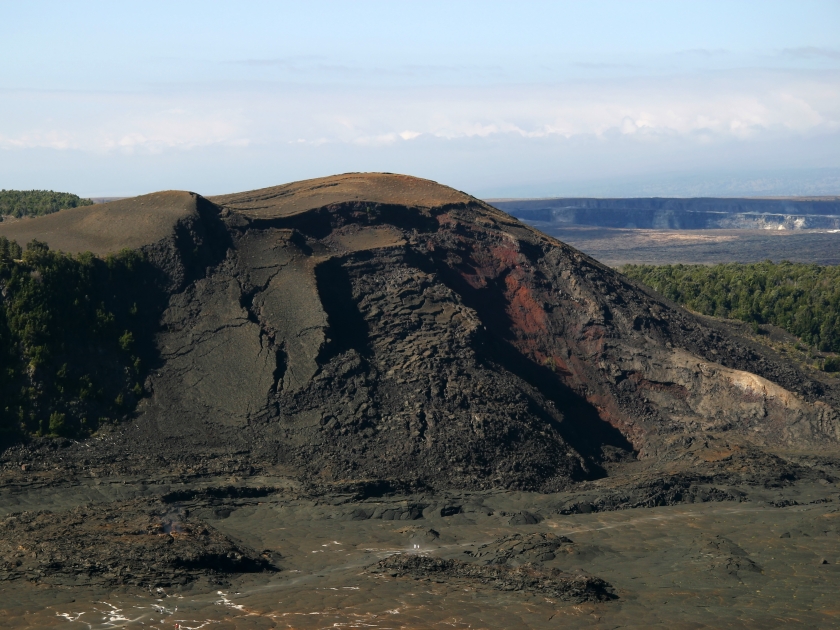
495, 98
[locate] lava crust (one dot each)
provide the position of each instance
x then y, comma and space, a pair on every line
388, 330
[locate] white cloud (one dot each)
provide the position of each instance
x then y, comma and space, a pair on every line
586, 128
136, 123
811, 52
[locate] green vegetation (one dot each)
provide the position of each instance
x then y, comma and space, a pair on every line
34, 203
69, 331
803, 299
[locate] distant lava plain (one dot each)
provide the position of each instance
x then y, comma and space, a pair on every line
376, 335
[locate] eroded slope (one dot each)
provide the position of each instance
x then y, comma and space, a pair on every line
391, 328
382, 327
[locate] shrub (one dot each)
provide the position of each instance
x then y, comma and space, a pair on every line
57, 423
126, 341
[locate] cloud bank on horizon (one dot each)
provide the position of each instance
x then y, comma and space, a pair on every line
496, 98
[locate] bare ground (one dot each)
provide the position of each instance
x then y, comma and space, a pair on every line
616, 247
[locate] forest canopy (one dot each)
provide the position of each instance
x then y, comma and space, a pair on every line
803, 299
35, 203
72, 339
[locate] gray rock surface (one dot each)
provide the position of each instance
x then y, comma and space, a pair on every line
386, 358
380, 327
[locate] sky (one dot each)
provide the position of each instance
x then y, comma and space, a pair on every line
499, 99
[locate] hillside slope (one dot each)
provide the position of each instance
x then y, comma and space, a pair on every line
384, 327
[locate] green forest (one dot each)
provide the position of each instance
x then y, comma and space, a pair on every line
71, 339
803, 299
34, 203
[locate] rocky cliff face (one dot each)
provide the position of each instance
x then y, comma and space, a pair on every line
680, 214
383, 327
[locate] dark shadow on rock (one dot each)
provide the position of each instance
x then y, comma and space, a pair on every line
582, 426
204, 243
347, 327
320, 222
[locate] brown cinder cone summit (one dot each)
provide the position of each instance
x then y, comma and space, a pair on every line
385, 327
